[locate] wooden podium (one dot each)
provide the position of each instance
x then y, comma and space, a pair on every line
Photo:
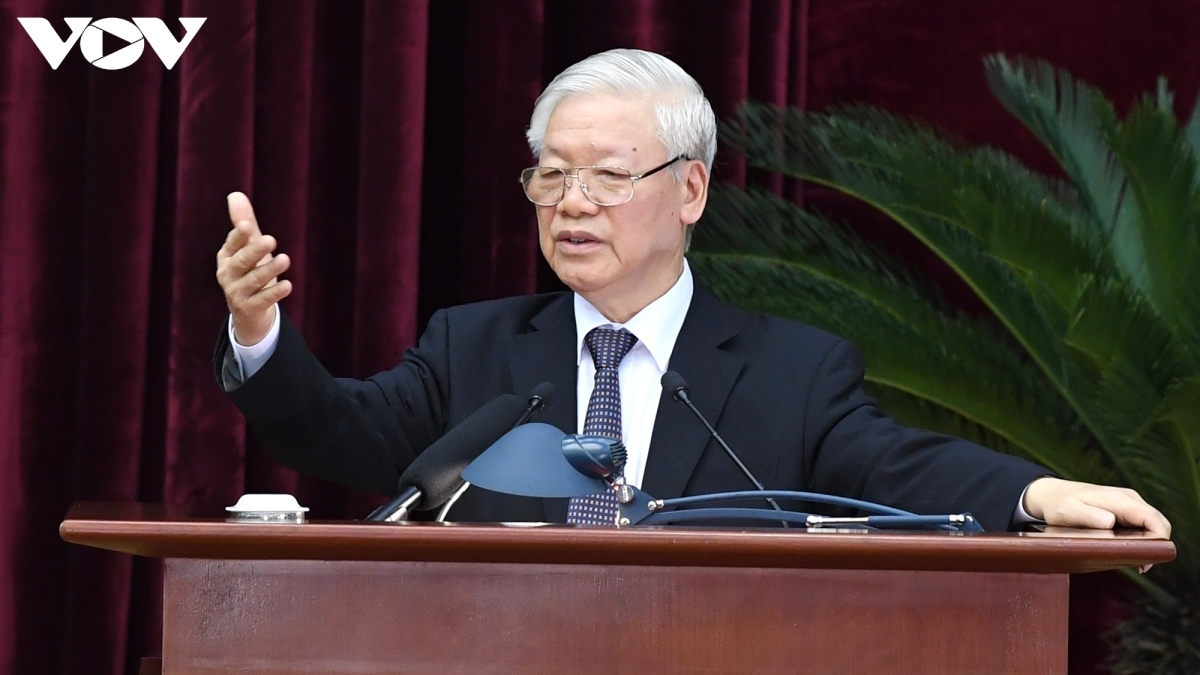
352, 597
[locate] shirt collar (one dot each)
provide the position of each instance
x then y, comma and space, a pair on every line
657, 326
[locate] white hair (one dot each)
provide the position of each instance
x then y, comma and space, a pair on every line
686, 123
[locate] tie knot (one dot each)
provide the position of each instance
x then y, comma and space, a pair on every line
609, 346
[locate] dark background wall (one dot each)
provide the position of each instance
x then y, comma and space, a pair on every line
380, 141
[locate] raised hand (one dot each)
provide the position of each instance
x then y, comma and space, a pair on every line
248, 272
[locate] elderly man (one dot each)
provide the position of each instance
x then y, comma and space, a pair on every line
624, 143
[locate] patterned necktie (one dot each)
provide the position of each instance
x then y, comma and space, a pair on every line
608, 347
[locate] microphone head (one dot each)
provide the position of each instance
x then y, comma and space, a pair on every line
542, 395
674, 383
594, 456
437, 472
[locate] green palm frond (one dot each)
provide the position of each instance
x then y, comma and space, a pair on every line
1162, 169
1192, 134
1132, 174
934, 191
755, 222
809, 269
1064, 113
1090, 360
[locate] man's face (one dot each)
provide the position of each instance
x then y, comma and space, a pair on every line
621, 257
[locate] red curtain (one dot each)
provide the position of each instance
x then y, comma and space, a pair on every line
380, 141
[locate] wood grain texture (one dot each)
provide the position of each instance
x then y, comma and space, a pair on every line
368, 617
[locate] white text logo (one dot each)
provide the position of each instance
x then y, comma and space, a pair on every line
90, 36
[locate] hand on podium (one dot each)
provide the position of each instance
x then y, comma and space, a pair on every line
1073, 504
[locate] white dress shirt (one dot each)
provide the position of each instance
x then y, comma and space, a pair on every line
656, 327
251, 359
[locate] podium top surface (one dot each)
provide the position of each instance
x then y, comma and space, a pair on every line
161, 532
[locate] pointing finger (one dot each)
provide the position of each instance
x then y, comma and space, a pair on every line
240, 211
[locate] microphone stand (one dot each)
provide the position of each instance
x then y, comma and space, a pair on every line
441, 516
675, 383
397, 509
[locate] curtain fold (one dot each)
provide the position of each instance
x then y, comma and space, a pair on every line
283, 170
215, 153
380, 142
391, 147
120, 183
41, 193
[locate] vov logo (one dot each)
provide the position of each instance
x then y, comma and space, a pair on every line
90, 35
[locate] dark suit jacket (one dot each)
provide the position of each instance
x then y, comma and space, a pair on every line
787, 397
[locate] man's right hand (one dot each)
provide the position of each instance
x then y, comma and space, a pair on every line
249, 273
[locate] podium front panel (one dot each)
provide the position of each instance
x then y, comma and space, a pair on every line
367, 617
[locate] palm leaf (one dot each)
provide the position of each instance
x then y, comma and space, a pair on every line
921, 182
757, 223
811, 270
1161, 165
1192, 134
1065, 113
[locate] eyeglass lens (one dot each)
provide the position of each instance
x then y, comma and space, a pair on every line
604, 186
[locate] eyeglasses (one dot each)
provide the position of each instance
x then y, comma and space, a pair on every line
602, 185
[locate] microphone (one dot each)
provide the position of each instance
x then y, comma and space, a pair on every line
673, 382
539, 398
436, 474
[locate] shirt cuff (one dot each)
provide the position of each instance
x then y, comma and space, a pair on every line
1020, 515
251, 359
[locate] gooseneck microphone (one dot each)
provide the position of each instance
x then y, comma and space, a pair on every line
674, 383
436, 474
538, 399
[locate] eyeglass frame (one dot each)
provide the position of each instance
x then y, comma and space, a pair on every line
583, 186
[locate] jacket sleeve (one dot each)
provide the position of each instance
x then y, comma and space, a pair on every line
359, 433
858, 451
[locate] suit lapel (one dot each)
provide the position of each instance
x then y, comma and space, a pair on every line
679, 439
547, 354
